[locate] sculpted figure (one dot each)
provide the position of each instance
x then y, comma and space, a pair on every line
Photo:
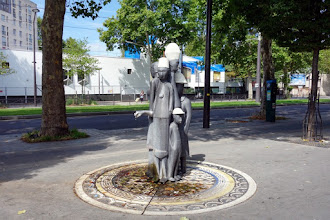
153, 87
175, 146
161, 111
172, 53
184, 126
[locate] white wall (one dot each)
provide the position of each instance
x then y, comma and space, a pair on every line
111, 79
21, 81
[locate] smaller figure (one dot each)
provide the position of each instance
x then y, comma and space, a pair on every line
141, 96
175, 146
184, 126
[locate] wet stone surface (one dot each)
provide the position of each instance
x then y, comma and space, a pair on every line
127, 188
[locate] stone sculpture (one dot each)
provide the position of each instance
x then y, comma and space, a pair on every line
169, 119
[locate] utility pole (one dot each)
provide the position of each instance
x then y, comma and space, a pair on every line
35, 10
257, 84
206, 112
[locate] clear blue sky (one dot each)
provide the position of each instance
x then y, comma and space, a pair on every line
81, 28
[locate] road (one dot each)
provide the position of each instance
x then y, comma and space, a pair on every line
114, 122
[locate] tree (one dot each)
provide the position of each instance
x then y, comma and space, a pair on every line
77, 61
53, 100
286, 61
147, 26
300, 26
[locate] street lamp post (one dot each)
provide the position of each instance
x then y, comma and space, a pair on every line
35, 10
206, 111
257, 84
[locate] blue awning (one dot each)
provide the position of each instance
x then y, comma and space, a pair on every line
191, 65
214, 67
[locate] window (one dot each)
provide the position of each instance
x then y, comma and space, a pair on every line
30, 27
20, 15
216, 76
14, 3
3, 18
30, 38
20, 43
14, 32
4, 42
14, 22
15, 42
20, 5
14, 12
5, 65
30, 20
3, 30
20, 24
29, 9
129, 71
20, 33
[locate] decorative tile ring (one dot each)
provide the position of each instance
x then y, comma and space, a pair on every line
125, 188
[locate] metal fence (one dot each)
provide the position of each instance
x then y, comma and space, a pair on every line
107, 95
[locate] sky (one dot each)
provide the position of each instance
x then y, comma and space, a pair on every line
80, 28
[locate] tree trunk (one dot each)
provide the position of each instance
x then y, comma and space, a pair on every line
313, 96
53, 99
267, 61
285, 82
250, 87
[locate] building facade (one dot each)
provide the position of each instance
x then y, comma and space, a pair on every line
17, 20
117, 75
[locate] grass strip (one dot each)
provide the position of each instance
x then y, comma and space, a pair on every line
34, 136
83, 109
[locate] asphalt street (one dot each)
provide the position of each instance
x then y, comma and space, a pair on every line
122, 121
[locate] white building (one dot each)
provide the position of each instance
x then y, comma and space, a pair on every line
117, 76
195, 75
16, 23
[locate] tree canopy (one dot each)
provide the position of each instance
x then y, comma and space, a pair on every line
147, 26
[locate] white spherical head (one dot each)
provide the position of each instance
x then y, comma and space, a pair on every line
172, 51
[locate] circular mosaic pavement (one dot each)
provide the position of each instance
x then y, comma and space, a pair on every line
205, 187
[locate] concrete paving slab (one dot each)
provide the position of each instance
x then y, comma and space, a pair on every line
293, 179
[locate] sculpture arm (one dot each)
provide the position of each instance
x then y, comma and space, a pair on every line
188, 116
153, 86
143, 112
170, 107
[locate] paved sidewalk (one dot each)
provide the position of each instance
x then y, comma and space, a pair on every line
292, 179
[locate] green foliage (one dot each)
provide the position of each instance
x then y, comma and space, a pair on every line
35, 137
87, 8
39, 21
324, 61
80, 101
76, 59
139, 23
301, 25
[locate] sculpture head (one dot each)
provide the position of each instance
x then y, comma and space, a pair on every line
174, 65
163, 68
177, 115
154, 69
172, 53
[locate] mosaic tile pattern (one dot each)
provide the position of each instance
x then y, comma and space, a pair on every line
221, 187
